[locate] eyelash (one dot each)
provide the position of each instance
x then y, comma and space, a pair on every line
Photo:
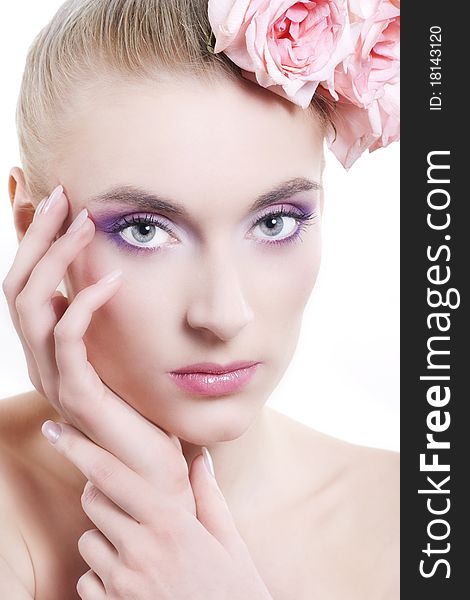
303, 221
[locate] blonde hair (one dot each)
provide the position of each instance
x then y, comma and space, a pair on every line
91, 41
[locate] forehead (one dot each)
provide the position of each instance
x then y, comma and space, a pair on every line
223, 140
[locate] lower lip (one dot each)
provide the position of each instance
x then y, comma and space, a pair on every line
213, 384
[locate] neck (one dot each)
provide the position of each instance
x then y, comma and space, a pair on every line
241, 464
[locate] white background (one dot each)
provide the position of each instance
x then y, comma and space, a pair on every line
344, 378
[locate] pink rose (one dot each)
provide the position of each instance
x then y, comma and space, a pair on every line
375, 28
359, 129
389, 107
286, 45
363, 9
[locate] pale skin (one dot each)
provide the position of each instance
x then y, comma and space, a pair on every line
284, 513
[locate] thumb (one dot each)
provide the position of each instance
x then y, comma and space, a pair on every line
211, 507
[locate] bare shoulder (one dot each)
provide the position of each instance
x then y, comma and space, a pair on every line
19, 416
14, 553
369, 496
35, 492
14, 428
352, 516
359, 466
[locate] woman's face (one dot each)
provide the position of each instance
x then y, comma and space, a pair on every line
218, 281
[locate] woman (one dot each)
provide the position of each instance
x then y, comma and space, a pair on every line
199, 191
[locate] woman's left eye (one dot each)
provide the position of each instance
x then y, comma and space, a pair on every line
281, 225
277, 224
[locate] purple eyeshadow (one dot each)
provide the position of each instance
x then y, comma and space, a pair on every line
112, 223
105, 222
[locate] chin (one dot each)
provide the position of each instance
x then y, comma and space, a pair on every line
218, 424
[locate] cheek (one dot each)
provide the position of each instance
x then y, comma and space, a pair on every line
94, 261
141, 330
135, 321
130, 339
290, 279
281, 284
136, 332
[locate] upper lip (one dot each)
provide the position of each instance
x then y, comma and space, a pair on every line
210, 367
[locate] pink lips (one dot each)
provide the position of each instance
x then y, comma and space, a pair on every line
211, 379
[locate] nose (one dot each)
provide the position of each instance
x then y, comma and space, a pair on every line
219, 305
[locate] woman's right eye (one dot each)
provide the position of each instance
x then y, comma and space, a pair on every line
144, 232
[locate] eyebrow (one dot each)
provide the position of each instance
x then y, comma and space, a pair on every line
147, 201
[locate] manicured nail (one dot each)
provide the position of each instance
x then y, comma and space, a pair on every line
88, 485
39, 208
53, 199
51, 431
78, 221
111, 276
208, 461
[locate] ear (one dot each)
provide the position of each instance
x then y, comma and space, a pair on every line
22, 204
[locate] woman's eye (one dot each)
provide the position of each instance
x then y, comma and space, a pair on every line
147, 232
145, 235
276, 227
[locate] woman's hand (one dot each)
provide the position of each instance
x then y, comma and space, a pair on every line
146, 545
162, 532
51, 333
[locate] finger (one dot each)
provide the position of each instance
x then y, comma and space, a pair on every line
59, 304
114, 523
34, 245
34, 305
146, 448
70, 349
90, 587
78, 378
176, 441
109, 474
212, 509
11, 287
98, 553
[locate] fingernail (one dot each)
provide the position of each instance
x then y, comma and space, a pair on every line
111, 276
78, 221
39, 208
53, 199
208, 461
51, 431
88, 485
